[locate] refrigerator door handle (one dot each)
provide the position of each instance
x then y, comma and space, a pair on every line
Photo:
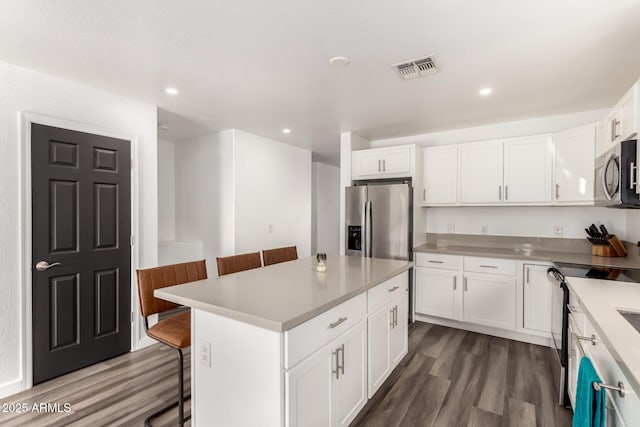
368, 229
364, 237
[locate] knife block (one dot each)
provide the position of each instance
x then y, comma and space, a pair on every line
614, 248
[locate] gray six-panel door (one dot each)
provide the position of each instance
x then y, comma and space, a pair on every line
81, 225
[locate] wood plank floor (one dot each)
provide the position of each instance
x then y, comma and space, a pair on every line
449, 378
458, 378
119, 392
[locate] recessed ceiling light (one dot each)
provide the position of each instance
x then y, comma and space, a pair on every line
485, 91
286, 130
171, 91
339, 61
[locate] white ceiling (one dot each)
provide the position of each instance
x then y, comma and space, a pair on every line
263, 65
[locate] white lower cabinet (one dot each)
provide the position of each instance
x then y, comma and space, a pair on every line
399, 339
537, 290
387, 340
349, 374
489, 300
309, 391
331, 359
329, 387
437, 292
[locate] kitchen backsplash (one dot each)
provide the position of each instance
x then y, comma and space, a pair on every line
534, 221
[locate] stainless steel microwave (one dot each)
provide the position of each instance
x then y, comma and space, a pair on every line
616, 177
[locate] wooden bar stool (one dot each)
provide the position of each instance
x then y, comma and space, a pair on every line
235, 263
274, 256
174, 331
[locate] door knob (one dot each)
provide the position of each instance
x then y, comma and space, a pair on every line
44, 265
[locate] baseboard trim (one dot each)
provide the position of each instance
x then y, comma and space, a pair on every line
10, 388
487, 330
145, 342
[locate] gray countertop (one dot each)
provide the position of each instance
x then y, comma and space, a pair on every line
534, 255
281, 296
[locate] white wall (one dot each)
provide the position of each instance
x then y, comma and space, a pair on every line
232, 185
540, 125
633, 225
203, 170
530, 221
325, 233
272, 195
166, 190
30, 91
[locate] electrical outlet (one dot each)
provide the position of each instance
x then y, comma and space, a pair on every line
558, 231
451, 228
485, 229
205, 353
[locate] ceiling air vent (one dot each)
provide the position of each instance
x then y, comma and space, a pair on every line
416, 67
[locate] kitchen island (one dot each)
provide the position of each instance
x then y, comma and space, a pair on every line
285, 344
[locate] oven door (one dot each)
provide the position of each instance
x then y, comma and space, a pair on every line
607, 178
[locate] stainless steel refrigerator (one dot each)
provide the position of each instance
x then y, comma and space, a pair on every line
379, 220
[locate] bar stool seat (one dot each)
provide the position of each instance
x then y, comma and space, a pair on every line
174, 331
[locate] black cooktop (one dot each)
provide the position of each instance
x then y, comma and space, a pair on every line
597, 272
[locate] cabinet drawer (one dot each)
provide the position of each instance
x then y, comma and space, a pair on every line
447, 262
306, 338
490, 265
385, 292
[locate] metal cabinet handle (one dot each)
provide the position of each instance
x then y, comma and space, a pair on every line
337, 322
337, 370
592, 338
341, 351
455, 282
44, 265
620, 389
557, 191
391, 320
395, 317
465, 284
394, 288
506, 192
489, 266
384, 165
379, 165
436, 262
616, 123
499, 192
612, 134
424, 194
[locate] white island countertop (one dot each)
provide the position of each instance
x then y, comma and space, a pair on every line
601, 300
280, 297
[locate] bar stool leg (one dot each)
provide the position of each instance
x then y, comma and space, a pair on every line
181, 397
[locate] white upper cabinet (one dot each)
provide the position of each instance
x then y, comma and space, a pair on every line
366, 164
621, 122
440, 176
391, 162
527, 171
574, 163
481, 173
